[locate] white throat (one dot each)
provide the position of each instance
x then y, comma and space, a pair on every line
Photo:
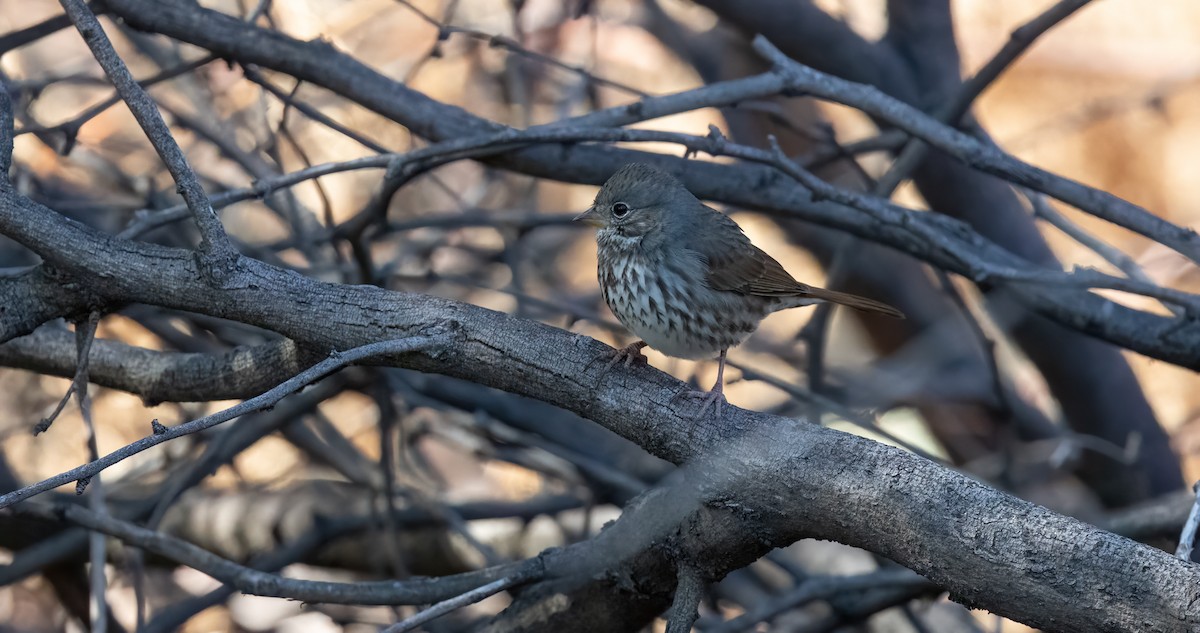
611, 238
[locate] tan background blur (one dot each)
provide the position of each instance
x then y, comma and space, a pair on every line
1110, 98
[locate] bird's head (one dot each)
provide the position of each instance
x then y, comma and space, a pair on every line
638, 200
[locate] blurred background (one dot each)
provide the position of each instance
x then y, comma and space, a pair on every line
1111, 97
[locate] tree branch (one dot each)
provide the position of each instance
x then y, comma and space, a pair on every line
214, 243
160, 434
156, 376
252, 581
1021, 39
760, 188
1095, 386
964, 536
803, 80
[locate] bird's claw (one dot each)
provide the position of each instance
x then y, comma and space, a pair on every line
714, 398
629, 355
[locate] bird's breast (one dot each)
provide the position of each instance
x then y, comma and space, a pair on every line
667, 303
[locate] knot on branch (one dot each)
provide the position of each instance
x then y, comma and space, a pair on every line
443, 332
217, 266
714, 144
263, 187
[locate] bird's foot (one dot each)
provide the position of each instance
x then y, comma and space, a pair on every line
714, 399
629, 355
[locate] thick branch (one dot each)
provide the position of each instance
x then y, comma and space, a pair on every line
782, 480
162, 376
36, 296
989, 549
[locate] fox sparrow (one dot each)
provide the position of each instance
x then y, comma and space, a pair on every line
684, 277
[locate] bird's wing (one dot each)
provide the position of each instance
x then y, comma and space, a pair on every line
737, 265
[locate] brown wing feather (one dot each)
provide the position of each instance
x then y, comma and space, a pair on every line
749, 270
734, 264
737, 265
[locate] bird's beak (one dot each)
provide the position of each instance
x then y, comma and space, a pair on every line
591, 217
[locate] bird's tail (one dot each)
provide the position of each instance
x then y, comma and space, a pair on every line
850, 301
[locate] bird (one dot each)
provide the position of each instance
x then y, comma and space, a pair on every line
684, 277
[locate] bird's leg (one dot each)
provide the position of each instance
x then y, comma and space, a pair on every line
714, 397
628, 355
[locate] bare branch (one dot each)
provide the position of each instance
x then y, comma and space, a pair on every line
812, 589
1021, 39
28, 35
336, 361
514, 47
1187, 539
214, 243
964, 537
85, 335
689, 592
245, 579
471, 597
70, 129
985, 157
156, 376
252, 74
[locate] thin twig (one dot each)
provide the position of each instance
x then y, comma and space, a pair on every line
825, 403
1187, 539
815, 333
987, 346
1021, 39
406, 166
85, 334
251, 72
333, 528
817, 588
388, 496
512, 46
1044, 210
689, 592
49, 26
259, 9
215, 242
978, 154
985, 271
470, 597
255, 582
46, 422
70, 128
334, 362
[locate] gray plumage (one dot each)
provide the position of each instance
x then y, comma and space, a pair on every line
684, 277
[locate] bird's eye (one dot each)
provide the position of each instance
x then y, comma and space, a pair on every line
620, 209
